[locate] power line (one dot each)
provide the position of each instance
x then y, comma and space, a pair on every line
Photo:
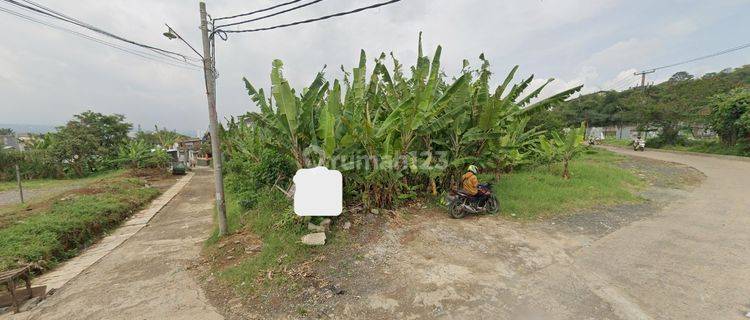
38, 8
311, 20
618, 83
62, 16
740, 47
143, 55
257, 11
270, 15
630, 82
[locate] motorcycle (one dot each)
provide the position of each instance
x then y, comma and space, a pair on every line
639, 145
461, 203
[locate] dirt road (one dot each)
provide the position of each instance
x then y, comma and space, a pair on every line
687, 258
146, 277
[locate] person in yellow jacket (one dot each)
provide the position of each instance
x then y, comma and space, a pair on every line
470, 183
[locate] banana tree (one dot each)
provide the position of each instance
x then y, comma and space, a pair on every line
288, 119
569, 145
546, 151
515, 145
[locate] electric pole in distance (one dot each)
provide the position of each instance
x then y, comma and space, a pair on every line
209, 68
643, 76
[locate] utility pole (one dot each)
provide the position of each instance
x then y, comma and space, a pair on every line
18, 179
643, 76
210, 75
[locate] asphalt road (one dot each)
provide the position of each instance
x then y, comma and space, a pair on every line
692, 261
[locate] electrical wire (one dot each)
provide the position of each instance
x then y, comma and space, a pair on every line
311, 20
626, 85
740, 47
80, 23
617, 83
270, 15
257, 11
143, 55
38, 8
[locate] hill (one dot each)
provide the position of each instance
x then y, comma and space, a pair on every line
674, 104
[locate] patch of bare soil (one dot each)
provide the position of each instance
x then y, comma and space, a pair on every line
417, 262
157, 178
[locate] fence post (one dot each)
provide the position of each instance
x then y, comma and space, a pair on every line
18, 179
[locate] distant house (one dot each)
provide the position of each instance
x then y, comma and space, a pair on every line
627, 132
193, 144
10, 141
186, 151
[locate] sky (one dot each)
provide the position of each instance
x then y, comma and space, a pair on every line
47, 75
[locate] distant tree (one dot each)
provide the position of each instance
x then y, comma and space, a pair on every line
6, 131
681, 76
730, 115
162, 137
709, 75
669, 106
90, 141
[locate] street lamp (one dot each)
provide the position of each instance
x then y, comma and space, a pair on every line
171, 35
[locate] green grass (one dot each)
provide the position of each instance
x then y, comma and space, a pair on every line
710, 146
17, 211
53, 183
67, 226
280, 231
618, 142
596, 180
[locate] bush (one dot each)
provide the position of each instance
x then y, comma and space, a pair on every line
33, 164
661, 141
247, 178
730, 116
137, 154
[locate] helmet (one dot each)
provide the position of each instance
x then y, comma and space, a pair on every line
472, 168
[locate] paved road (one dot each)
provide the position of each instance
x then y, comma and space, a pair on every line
146, 277
692, 261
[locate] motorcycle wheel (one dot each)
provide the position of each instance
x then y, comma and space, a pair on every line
455, 210
492, 205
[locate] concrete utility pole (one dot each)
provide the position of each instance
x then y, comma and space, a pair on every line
210, 74
18, 179
643, 77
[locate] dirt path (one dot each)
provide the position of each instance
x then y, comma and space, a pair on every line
687, 258
147, 277
12, 197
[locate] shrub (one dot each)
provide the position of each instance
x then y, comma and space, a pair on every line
248, 178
